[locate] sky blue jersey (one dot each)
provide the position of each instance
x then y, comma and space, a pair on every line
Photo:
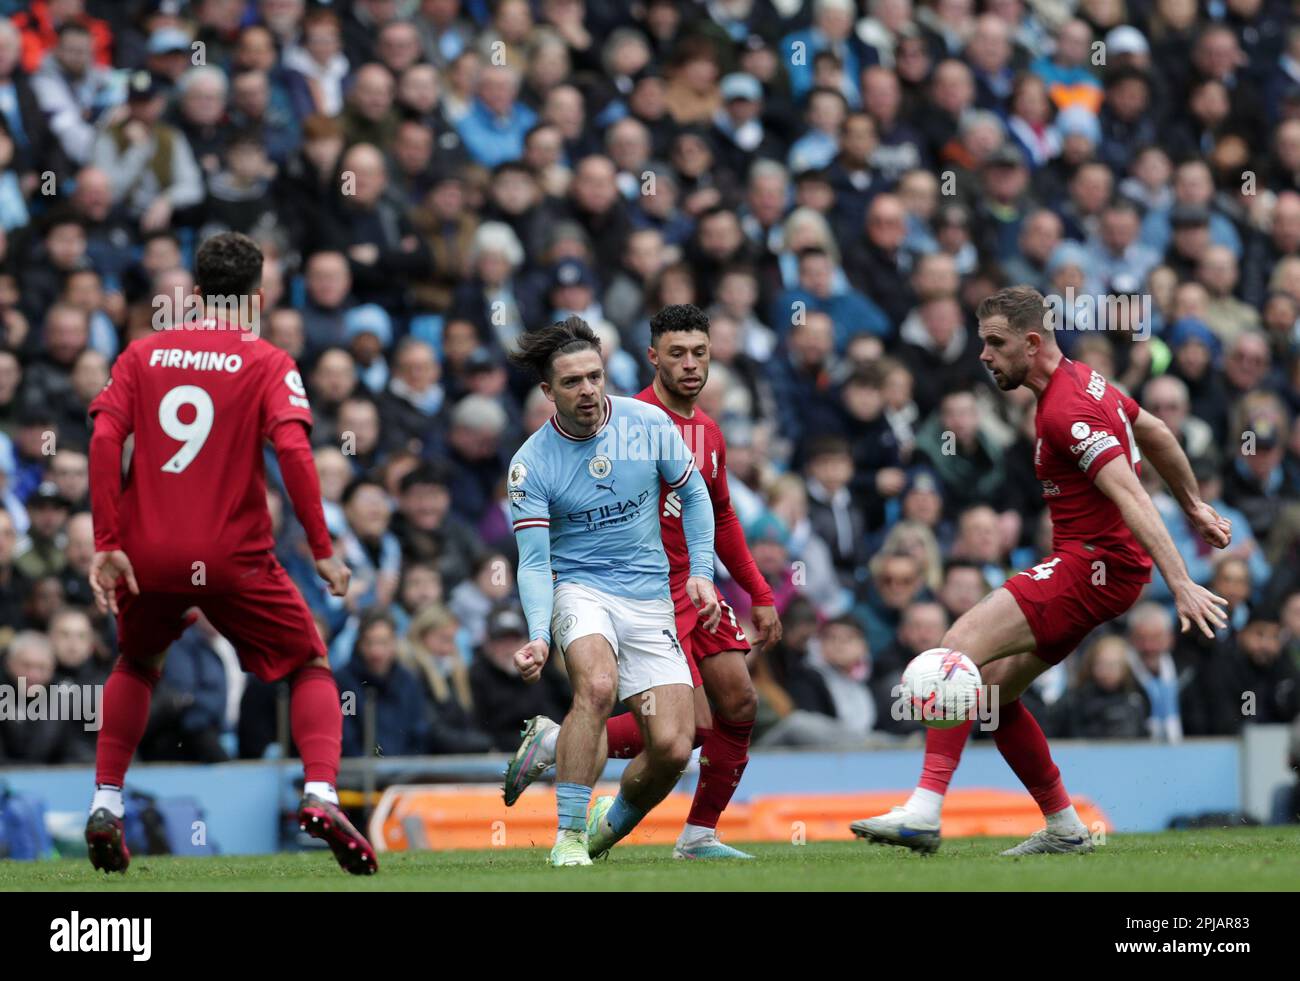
586, 509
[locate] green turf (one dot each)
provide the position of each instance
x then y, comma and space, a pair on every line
1237, 859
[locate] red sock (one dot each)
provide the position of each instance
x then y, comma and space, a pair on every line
1024, 747
625, 739
723, 757
942, 754
316, 720
124, 715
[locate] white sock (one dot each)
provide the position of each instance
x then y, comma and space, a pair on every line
925, 804
693, 833
1065, 820
109, 798
321, 789
550, 740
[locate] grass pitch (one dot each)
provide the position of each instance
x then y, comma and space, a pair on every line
1235, 859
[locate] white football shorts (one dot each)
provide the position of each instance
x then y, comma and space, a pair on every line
642, 634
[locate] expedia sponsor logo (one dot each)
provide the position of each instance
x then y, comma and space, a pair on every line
1051, 489
1083, 444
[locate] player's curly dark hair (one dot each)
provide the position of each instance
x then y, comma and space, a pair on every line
678, 316
538, 349
228, 264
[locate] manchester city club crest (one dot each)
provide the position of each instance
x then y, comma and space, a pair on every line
599, 466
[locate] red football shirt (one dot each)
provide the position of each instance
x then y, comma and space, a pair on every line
1083, 422
704, 438
200, 404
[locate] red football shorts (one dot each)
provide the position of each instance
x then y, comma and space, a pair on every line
1068, 595
267, 621
698, 642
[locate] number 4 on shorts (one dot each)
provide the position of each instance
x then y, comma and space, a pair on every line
1042, 571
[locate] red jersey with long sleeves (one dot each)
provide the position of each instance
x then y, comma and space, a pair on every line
704, 439
192, 514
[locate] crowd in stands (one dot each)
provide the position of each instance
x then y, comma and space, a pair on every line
838, 183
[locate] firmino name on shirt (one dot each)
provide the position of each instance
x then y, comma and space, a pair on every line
175, 357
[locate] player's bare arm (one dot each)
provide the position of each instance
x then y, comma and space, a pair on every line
1195, 603
1160, 446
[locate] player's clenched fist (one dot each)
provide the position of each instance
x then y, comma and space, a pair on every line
531, 658
705, 599
768, 625
105, 569
335, 573
1213, 528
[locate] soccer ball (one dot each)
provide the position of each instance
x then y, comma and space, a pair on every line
942, 687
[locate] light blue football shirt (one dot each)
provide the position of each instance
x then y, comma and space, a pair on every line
599, 497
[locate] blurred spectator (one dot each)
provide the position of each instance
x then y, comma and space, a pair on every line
896, 581
369, 547
29, 662
961, 451
1166, 398
150, 163
921, 629
73, 92
431, 651
843, 668
370, 226
1107, 703
493, 129
1254, 683
41, 552
318, 61
200, 115
939, 352
380, 695
963, 586
1257, 483
878, 264
1151, 641
835, 517
191, 715
503, 700
411, 405
802, 379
